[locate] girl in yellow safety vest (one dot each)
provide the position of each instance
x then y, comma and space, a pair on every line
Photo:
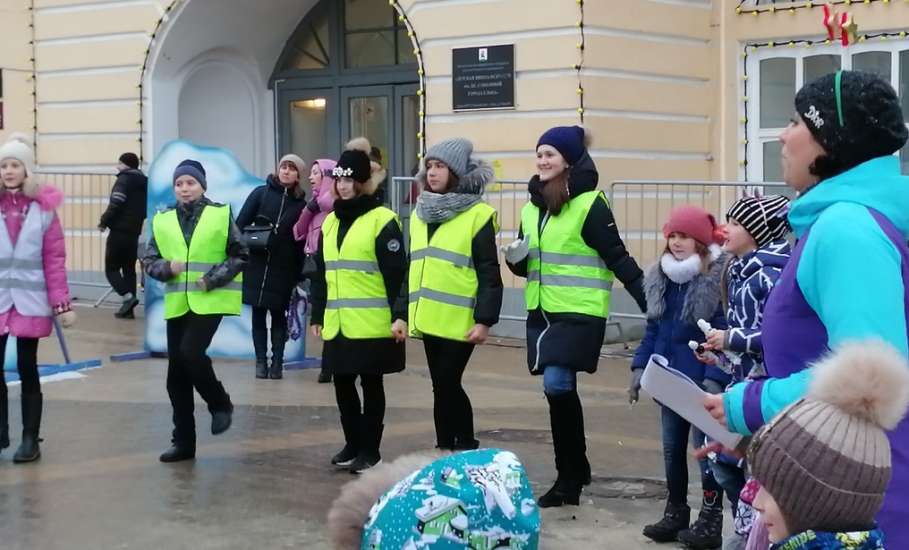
198, 252
571, 252
455, 282
361, 263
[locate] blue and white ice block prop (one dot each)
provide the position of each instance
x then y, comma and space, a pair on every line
228, 183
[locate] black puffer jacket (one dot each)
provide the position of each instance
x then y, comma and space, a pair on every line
569, 339
188, 215
269, 277
126, 209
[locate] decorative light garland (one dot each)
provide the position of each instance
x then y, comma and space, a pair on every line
882, 36
421, 73
797, 5
581, 45
34, 78
151, 41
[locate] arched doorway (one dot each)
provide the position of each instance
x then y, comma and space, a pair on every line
348, 70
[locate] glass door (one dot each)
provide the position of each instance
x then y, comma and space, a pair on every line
307, 123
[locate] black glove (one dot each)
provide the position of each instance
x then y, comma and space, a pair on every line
313, 206
634, 387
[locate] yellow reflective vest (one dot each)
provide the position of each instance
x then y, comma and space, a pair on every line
207, 248
564, 275
357, 305
443, 281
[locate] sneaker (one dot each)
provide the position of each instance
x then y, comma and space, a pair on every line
126, 310
364, 462
345, 457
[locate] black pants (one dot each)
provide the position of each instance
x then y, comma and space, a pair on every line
451, 408
348, 399
27, 363
120, 261
188, 367
260, 333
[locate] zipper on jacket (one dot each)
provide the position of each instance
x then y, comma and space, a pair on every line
268, 252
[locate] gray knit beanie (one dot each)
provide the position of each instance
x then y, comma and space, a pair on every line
825, 459
455, 153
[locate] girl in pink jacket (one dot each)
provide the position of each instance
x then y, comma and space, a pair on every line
33, 284
309, 226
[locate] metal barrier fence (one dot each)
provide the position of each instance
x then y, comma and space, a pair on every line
641, 207
506, 196
86, 198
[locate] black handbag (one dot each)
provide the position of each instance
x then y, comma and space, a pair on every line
258, 235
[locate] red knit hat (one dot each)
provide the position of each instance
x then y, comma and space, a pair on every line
695, 222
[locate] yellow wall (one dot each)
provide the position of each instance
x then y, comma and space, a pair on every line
781, 27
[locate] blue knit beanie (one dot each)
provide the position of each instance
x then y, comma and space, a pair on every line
568, 141
192, 168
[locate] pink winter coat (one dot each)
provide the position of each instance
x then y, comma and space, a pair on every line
309, 225
14, 206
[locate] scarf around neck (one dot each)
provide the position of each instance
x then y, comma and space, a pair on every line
680, 271
439, 208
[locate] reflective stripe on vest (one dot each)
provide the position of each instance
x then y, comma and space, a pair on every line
357, 305
443, 282
564, 275
22, 282
207, 249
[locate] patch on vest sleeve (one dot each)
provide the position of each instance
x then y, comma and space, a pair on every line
394, 245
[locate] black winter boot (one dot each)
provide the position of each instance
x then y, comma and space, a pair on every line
278, 339
324, 375
346, 456
178, 453
4, 416
706, 533
370, 440
563, 420
675, 519
222, 419
29, 450
261, 368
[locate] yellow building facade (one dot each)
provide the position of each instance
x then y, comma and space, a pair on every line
670, 89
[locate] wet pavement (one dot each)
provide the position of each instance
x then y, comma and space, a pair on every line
267, 482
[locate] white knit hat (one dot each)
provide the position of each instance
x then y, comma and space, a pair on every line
18, 147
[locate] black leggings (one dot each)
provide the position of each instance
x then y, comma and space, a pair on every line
27, 363
451, 409
260, 332
349, 400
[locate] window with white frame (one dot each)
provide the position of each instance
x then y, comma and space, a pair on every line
775, 74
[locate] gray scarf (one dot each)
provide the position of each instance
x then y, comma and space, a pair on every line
439, 208
436, 208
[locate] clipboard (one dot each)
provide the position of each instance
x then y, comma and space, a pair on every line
675, 390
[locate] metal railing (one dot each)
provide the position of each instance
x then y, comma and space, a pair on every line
86, 198
641, 207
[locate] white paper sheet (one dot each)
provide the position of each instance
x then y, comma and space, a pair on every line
681, 394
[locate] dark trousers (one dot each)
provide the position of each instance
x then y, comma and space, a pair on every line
27, 352
676, 436
260, 333
348, 399
120, 261
188, 367
451, 408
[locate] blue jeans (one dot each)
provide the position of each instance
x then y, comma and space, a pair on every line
676, 435
731, 478
559, 380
